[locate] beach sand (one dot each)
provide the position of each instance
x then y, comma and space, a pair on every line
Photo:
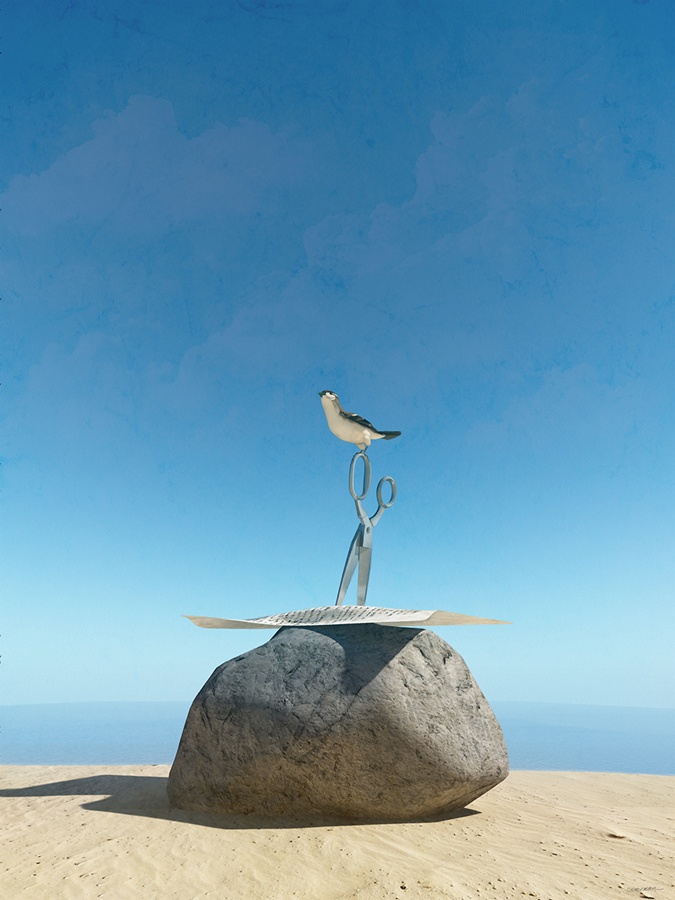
107, 831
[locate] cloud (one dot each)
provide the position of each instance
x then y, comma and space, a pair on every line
568, 407
73, 400
402, 293
142, 173
460, 276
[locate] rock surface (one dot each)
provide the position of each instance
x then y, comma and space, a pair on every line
360, 722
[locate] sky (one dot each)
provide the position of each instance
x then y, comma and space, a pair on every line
456, 214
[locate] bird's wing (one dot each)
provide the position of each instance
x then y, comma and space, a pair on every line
359, 420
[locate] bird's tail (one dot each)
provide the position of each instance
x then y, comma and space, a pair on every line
388, 435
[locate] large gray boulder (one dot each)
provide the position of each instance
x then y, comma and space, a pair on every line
352, 722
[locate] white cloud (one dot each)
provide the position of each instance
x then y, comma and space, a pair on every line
73, 400
569, 407
140, 171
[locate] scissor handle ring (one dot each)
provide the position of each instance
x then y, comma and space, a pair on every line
392, 484
366, 476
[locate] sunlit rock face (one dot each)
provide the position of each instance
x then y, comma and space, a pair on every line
360, 722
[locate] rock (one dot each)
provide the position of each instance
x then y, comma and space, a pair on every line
361, 722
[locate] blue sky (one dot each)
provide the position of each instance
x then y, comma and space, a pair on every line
457, 215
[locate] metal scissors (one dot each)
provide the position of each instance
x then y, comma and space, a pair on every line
361, 547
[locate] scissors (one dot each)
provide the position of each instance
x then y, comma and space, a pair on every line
361, 547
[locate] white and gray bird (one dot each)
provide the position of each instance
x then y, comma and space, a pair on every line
348, 426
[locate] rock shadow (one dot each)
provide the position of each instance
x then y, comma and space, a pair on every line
368, 648
145, 795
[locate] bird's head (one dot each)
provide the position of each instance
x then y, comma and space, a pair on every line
329, 400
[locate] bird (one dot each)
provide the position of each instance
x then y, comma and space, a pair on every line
348, 426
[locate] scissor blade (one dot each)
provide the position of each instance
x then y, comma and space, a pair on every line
365, 556
350, 564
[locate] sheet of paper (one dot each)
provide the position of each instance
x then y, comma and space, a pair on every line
348, 615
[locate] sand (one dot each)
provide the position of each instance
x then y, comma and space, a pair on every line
95, 831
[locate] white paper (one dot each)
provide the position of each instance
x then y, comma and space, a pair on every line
348, 615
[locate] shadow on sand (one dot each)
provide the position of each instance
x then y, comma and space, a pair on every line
145, 795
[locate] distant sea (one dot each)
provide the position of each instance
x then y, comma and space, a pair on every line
538, 735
